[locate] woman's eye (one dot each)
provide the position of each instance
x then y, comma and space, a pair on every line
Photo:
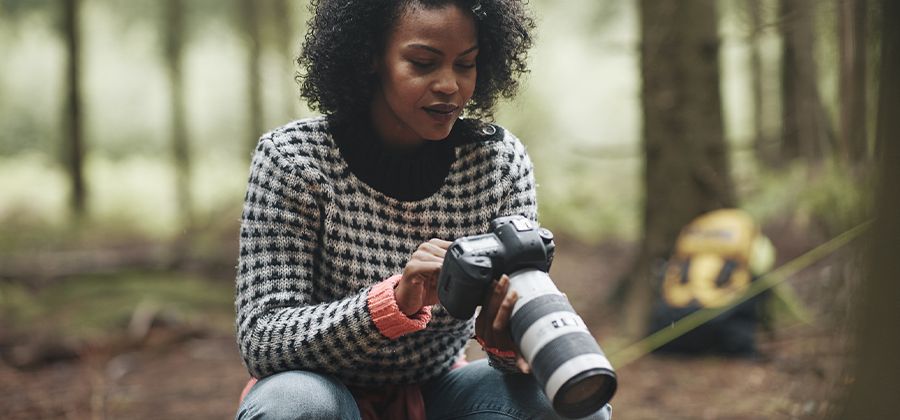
421, 64
466, 65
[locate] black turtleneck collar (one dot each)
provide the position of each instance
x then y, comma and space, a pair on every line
407, 174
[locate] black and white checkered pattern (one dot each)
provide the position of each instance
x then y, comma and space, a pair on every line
314, 239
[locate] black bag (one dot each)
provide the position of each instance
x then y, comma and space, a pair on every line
715, 259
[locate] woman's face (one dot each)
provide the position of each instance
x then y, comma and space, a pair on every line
426, 74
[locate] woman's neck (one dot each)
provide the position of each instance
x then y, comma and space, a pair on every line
392, 132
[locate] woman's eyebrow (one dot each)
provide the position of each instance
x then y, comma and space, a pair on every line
439, 52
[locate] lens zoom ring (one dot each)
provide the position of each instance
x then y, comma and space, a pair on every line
561, 350
534, 310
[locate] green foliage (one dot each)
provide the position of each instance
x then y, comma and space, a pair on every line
30, 87
830, 196
836, 198
16, 8
590, 199
129, 198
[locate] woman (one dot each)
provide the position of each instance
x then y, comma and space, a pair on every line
348, 216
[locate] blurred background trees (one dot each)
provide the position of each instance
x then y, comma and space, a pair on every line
74, 148
806, 130
172, 26
126, 128
794, 86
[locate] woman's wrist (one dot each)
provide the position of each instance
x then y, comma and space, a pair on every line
403, 306
506, 354
387, 316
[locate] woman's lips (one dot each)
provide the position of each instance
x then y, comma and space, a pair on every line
442, 113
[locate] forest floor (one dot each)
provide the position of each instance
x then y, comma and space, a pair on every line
189, 370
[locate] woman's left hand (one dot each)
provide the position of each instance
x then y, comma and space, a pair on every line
492, 324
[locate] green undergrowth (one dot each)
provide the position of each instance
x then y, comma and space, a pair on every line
98, 306
827, 197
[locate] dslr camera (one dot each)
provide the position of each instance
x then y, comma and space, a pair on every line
565, 358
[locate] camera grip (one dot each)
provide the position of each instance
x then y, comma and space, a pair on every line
462, 284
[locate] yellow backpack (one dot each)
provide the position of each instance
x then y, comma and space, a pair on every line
715, 259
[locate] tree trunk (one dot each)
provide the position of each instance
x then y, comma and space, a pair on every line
250, 22
806, 131
761, 148
876, 373
284, 39
852, 29
74, 149
174, 30
686, 168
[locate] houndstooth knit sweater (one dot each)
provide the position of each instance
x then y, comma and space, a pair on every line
320, 252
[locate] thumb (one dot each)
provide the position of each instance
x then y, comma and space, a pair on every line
523, 365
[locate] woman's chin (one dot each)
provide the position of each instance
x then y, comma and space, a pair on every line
438, 133
436, 138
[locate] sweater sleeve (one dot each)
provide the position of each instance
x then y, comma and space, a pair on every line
280, 325
387, 315
521, 199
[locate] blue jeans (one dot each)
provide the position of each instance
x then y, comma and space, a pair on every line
475, 391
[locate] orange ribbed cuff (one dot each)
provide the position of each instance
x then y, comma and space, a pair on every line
506, 354
386, 314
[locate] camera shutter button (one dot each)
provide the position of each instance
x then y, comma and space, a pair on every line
546, 235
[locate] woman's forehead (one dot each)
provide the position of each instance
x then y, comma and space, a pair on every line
427, 25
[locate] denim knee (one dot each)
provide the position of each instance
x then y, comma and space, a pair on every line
478, 391
298, 395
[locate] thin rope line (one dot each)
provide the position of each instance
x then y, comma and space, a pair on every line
656, 340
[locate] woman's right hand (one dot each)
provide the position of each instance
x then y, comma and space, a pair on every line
418, 285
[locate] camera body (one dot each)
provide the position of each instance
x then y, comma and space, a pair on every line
565, 358
474, 262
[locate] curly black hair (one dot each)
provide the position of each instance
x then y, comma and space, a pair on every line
344, 36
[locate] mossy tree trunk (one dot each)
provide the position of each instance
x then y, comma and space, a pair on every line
74, 148
872, 393
173, 28
249, 19
761, 143
806, 129
852, 38
283, 37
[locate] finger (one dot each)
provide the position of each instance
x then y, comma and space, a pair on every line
495, 298
523, 365
427, 255
423, 266
419, 271
501, 320
485, 320
440, 243
433, 249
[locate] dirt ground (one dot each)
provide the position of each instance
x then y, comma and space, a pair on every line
190, 372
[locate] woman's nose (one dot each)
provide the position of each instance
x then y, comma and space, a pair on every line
445, 83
